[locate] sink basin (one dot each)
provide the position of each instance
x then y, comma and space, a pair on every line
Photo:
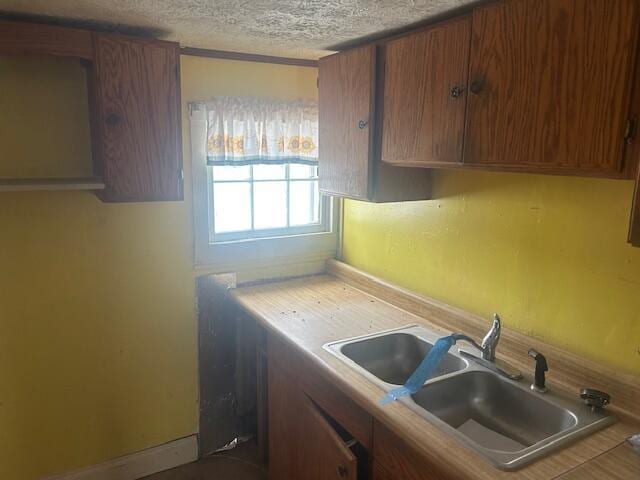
493, 412
393, 357
500, 419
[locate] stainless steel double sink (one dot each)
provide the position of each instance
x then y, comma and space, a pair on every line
501, 419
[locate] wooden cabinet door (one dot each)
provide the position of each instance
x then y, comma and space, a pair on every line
380, 473
136, 118
394, 458
285, 431
425, 91
302, 444
549, 83
324, 454
346, 93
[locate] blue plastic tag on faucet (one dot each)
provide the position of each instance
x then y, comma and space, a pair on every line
424, 372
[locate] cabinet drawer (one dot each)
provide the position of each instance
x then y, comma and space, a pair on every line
324, 393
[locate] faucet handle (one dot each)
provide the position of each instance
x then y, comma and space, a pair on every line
541, 367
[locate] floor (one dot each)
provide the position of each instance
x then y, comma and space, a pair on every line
241, 463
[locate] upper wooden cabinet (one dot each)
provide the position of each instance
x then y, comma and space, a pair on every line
425, 90
349, 162
134, 101
136, 119
346, 92
549, 85
18, 38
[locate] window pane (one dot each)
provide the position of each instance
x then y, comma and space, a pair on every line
302, 171
231, 173
304, 203
270, 204
269, 172
232, 207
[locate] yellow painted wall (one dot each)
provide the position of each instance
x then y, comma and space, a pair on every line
97, 325
549, 253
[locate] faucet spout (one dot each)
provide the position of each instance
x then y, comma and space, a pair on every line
491, 339
488, 350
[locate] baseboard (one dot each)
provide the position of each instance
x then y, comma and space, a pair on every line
140, 464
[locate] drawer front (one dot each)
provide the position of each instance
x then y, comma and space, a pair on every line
324, 393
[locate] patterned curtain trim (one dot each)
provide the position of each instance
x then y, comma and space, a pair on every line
249, 131
259, 160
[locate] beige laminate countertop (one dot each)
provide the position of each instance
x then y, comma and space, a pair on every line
311, 311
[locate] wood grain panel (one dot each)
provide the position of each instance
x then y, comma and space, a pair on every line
18, 38
552, 81
311, 311
424, 116
632, 148
302, 443
136, 122
338, 405
284, 431
346, 83
401, 461
325, 456
392, 184
380, 473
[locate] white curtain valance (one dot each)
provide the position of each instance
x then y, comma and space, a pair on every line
249, 131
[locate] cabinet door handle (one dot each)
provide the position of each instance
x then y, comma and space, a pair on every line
112, 119
456, 91
362, 124
342, 471
476, 87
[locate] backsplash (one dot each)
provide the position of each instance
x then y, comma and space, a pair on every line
548, 253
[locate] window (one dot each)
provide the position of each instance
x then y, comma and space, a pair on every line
256, 204
258, 201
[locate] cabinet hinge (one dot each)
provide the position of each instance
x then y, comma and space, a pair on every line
317, 82
630, 130
181, 175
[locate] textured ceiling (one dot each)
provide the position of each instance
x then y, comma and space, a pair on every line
295, 28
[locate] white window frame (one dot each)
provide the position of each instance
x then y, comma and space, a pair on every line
279, 254
322, 226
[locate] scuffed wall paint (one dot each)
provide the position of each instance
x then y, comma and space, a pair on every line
97, 317
98, 345
548, 253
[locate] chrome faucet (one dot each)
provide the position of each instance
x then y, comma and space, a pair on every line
488, 350
491, 339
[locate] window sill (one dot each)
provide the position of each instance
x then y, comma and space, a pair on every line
274, 257
273, 238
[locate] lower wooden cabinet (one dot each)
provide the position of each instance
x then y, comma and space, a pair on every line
317, 432
303, 444
378, 472
399, 461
